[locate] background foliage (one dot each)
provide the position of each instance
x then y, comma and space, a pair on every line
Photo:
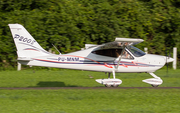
69, 24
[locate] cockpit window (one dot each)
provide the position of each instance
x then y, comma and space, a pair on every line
115, 52
135, 51
109, 52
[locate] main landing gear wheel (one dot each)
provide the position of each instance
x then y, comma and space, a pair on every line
154, 85
110, 82
108, 85
115, 85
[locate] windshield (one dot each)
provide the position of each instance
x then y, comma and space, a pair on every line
135, 51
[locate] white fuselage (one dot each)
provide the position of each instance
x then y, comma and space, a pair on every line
85, 60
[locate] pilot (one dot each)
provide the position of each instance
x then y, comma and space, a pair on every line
125, 55
118, 52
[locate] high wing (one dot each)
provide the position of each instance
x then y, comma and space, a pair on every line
131, 41
121, 42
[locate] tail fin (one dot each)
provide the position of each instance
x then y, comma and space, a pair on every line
26, 45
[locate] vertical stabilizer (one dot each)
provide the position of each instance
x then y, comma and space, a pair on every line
26, 45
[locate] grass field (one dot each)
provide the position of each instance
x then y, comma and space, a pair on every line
90, 101
86, 100
76, 78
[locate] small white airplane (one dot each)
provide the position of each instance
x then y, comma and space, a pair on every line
119, 56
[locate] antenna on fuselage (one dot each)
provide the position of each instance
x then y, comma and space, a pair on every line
56, 49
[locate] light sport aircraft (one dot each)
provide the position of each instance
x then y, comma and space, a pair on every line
119, 56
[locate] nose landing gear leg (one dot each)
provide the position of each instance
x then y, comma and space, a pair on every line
155, 82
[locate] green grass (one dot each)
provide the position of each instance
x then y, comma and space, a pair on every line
90, 101
76, 78
86, 100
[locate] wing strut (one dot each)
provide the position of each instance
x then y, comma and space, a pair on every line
124, 46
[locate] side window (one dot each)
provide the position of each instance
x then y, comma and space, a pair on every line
108, 52
113, 53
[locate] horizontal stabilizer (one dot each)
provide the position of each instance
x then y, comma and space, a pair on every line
24, 59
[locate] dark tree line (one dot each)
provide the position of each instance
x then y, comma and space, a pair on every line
69, 24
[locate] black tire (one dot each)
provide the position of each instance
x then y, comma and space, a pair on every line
154, 85
115, 85
108, 85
